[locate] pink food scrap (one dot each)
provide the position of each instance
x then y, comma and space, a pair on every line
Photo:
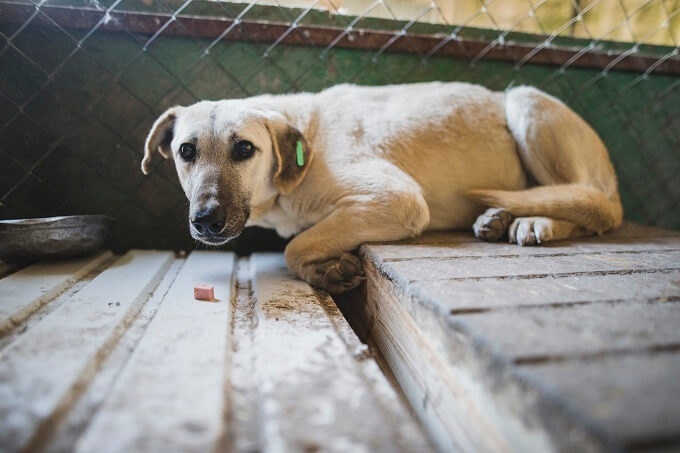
203, 291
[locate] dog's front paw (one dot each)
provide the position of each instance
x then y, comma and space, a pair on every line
336, 275
492, 225
530, 230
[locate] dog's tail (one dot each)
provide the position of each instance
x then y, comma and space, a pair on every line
583, 205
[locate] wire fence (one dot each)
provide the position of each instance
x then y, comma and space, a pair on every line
82, 81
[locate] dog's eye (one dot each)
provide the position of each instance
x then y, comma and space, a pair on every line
187, 151
243, 150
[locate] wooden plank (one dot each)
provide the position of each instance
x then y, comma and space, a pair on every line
72, 425
462, 399
535, 334
479, 248
315, 394
171, 395
530, 266
25, 291
634, 398
464, 296
473, 313
44, 371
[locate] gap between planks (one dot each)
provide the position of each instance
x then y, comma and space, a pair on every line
650, 300
527, 255
596, 355
554, 275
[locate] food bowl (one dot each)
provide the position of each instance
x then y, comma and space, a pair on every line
52, 237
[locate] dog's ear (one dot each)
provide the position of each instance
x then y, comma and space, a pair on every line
289, 167
159, 137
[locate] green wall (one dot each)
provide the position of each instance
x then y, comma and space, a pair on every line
77, 145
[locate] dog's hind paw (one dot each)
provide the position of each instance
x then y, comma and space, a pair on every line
531, 230
492, 225
337, 275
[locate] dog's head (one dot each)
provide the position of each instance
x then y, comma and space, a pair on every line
230, 157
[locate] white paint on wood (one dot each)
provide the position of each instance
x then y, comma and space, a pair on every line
25, 291
171, 395
314, 395
44, 370
73, 424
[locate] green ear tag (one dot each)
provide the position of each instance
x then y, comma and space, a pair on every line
300, 154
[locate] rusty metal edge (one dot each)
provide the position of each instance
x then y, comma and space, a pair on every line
319, 36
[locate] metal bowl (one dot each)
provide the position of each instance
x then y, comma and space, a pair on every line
52, 237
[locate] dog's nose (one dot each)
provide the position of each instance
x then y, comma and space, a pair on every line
208, 221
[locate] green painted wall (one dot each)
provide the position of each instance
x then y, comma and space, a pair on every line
77, 145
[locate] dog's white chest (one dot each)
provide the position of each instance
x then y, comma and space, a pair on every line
285, 224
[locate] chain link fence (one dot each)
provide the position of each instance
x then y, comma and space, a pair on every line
82, 81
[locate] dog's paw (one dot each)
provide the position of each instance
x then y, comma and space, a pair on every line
531, 230
337, 275
492, 225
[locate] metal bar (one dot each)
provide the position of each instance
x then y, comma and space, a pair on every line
270, 32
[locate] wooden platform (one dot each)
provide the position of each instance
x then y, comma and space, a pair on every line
573, 346
112, 353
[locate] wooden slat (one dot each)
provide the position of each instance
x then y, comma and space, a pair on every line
314, 393
171, 396
461, 296
44, 370
482, 249
25, 291
496, 321
634, 398
447, 387
530, 266
538, 334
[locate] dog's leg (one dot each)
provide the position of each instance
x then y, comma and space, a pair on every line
538, 230
492, 224
570, 164
323, 254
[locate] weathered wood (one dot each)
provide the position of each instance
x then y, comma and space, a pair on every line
464, 402
110, 369
531, 266
535, 334
633, 397
316, 391
44, 370
73, 424
25, 291
523, 333
465, 296
171, 395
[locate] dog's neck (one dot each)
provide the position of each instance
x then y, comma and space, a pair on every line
270, 214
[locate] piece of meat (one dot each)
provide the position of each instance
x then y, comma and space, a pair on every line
204, 291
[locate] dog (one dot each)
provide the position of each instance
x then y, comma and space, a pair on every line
354, 164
